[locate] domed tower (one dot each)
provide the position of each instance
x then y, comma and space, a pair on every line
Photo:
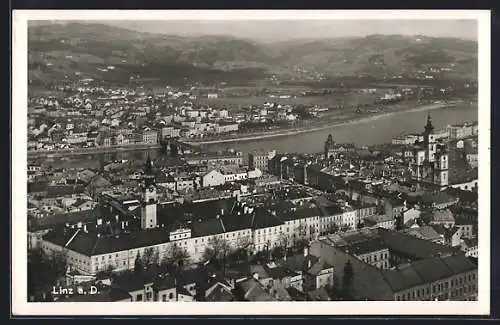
149, 198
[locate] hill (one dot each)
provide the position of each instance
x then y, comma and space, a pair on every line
88, 49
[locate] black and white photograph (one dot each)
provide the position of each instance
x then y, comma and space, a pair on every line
316, 158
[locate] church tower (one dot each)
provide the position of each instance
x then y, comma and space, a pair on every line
329, 144
429, 140
441, 167
149, 198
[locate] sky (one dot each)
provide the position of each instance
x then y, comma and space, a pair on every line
269, 31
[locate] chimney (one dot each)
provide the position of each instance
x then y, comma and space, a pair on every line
117, 218
309, 264
79, 225
85, 228
99, 221
306, 251
221, 212
123, 224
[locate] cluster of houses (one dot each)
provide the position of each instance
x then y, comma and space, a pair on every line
96, 116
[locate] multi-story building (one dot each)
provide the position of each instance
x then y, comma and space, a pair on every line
150, 137
169, 132
226, 127
332, 148
407, 139
213, 178
260, 160
419, 270
229, 159
461, 131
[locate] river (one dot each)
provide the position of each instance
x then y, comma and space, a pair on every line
375, 131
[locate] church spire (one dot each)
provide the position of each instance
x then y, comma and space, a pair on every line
429, 127
148, 166
148, 172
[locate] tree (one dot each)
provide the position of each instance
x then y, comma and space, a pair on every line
277, 253
241, 253
302, 231
426, 213
209, 254
176, 255
106, 273
138, 264
219, 247
347, 278
174, 149
344, 228
399, 222
284, 241
151, 257
333, 228
44, 270
380, 209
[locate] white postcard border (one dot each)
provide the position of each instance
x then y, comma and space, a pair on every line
20, 306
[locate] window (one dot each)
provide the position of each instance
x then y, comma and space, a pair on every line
139, 297
171, 295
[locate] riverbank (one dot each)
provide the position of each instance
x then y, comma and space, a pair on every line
246, 138
275, 134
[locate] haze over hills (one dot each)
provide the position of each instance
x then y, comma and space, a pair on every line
59, 49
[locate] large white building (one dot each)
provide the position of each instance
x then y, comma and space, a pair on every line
117, 238
462, 131
213, 178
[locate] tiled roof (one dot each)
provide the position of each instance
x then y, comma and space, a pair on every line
367, 246
424, 232
55, 220
253, 291
264, 219
91, 245
412, 246
402, 279
443, 216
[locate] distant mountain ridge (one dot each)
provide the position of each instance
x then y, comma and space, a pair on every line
90, 45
